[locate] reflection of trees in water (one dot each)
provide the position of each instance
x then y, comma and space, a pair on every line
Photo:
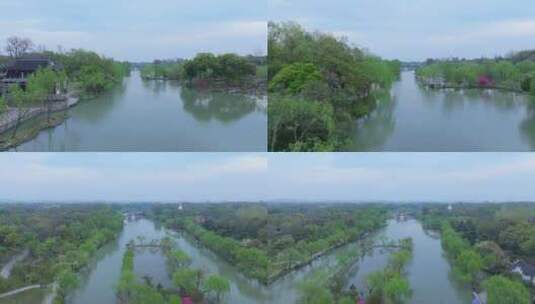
527, 126
454, 99
373, 131
205, 106
159, 86
95, 109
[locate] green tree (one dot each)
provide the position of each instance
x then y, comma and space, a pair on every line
217, 285
67, 281
501, 290
293, 121
179, 259
397, 289
293, 78
186, 279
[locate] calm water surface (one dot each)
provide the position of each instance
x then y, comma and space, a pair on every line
420, 119
159, 116
429, 271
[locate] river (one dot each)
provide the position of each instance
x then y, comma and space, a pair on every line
158, 116
428, 272
415, 118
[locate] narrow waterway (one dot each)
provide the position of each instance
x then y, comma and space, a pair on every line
428, 272
158, 116
422, 119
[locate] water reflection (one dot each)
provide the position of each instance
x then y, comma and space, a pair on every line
102, 275
423, 119
158, 116
205, 106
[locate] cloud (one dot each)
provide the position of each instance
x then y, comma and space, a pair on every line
484, 32
139, 30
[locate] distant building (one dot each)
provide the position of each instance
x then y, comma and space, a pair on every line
531, 220
526, 271
450, 207
180, 207
22, 67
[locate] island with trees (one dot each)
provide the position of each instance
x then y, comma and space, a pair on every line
190, 284
36, 82
266, 242
226, 72
318, 85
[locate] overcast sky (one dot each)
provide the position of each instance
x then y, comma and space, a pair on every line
172, 177
139, 30
419, 29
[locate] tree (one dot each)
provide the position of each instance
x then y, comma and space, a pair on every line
20, 100
299, 125
397, 289
179, 259
293, 78
186, 279
67, 280
218, 285
313, 291
501, 290
17, 46
468, 264
399, 259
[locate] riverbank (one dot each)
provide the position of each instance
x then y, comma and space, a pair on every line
13, 117
440, 85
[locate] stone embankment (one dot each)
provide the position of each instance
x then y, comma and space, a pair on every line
9, 119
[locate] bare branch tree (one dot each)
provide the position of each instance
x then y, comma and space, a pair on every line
17, 46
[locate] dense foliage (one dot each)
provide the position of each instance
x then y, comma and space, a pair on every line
60, 241
163, 70
265, 241
90, 72
306, 69
484, 239
230, 67
502, 290
504, 73
496, 228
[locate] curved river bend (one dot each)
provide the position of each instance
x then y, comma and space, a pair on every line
428, 272
159, 116
421, 119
